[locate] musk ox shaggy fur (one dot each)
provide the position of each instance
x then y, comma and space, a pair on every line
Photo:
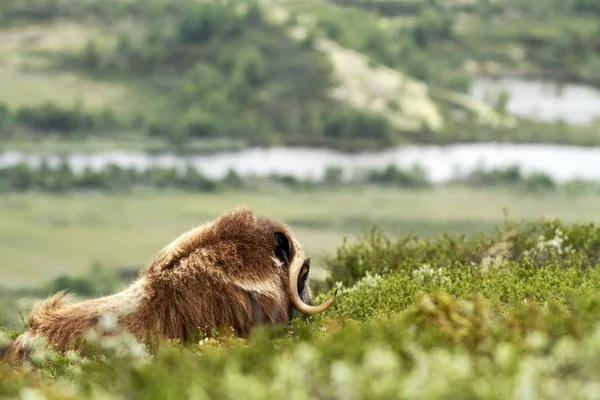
238, 271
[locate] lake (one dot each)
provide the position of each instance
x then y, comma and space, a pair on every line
440, 162
542, 100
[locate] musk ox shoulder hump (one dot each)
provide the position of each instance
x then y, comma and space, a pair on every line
240, 225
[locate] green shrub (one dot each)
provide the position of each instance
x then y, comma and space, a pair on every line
52, 118
539, 182
350, 124
394, 176
499, 316
99, 281
571, 245
511, 177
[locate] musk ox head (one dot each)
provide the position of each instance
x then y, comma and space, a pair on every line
239, 269
297, 267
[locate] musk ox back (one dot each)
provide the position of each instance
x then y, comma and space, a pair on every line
237, 271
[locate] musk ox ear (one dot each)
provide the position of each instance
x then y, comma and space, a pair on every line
283, 249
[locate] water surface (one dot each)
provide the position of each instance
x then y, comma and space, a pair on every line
542, 100
440, 162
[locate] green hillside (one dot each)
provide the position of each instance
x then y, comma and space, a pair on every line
547, 38
350, 75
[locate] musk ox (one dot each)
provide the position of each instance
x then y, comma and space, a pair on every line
237, 271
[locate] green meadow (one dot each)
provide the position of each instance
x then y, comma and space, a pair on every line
43, 236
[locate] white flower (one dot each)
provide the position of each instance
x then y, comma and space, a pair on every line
526, 380
31, 394
369, 280
555, 243
73, 356
426, 273
137, 350
343, 380
504, 354
108, 321
536, 340
380, 360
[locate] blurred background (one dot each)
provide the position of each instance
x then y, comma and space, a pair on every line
124, 123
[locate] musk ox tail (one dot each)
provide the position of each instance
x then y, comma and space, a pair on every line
47, 307
18, 349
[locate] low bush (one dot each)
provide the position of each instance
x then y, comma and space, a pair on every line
509, 177
508, 315
52, 118
575, 245
394, 176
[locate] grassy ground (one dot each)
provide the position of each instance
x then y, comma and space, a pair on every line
43, 236
35, 88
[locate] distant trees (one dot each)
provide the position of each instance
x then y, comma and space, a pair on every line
50, 117
113, 179
345, 124
60, 179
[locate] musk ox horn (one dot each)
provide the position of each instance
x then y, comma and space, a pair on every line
297, 302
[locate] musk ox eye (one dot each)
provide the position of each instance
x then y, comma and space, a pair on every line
283, 248
304, 272
303, 275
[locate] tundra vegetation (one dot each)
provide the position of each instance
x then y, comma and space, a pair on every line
421, 313
509, 314
167, 74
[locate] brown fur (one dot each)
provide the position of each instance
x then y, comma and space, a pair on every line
228, 273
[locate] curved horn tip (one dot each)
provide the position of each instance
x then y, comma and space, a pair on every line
296, 301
